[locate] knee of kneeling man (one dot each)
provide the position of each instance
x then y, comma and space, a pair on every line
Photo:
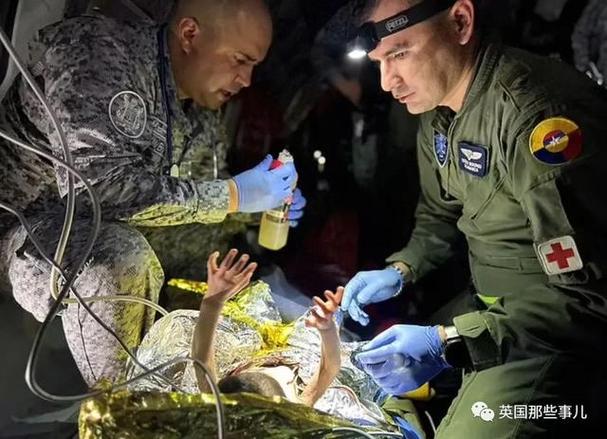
124, 262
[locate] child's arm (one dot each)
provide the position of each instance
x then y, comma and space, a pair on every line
321, 318
224, 282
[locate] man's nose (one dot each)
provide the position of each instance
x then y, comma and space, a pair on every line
388, 76
244, 76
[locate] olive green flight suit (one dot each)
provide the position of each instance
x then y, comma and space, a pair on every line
537, 348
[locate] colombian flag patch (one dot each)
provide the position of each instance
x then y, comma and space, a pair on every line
556, 141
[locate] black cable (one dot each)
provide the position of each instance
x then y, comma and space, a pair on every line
81, 301
69, 280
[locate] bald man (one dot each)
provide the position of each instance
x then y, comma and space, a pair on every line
137, 107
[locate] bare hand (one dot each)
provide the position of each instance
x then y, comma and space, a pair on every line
321, 314
228, 278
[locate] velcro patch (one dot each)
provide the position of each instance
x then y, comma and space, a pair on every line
556, 141
441, 149
473, 159
128, 114
559, 255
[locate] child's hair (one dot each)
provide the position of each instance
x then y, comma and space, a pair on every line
251, 382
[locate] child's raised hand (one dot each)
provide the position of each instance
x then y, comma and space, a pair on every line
229, 277
321, 314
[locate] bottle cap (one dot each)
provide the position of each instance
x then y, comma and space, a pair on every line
275, 164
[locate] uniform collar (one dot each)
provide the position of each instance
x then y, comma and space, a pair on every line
486, 62
176, 106
442, 119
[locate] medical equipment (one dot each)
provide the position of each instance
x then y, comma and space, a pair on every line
274, 226
56, 262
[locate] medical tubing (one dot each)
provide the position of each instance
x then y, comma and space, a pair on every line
69, 280
71, 202
31, 236
79, 300
352, 430
132, 299
386, 433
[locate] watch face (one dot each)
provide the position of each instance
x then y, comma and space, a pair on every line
456, 354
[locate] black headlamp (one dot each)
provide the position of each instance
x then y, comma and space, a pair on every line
370, 34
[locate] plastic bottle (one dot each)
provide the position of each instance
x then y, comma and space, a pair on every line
422, 393
274, 227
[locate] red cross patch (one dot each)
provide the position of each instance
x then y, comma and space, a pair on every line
559, 255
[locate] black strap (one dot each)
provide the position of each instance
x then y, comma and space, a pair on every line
411, 17
370, 34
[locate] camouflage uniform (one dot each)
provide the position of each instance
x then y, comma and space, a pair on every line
589, 39
104, 81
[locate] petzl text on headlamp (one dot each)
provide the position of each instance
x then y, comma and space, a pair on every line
370, 34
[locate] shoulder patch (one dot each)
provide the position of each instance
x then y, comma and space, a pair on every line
128, 114
559, 255
556, 141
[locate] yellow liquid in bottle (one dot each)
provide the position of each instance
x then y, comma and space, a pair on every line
423, 393
273, 230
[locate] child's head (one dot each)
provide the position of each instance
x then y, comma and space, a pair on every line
251, 382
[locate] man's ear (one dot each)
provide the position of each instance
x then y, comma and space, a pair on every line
188, 29
464, 18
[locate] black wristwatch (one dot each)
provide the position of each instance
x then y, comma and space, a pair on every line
456, 352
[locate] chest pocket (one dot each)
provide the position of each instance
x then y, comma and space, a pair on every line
485, 192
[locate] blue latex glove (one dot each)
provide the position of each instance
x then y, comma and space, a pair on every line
406, 429
261, 189
297, 207
370, 287
404, 357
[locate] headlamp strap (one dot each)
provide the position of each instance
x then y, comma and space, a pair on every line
410, 17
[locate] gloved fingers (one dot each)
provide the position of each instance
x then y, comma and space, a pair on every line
378, 355
384, 338
399, 383
364, 317
351, 291
288, 183
357, 314
276, 199
282, 193
391, 366
379, 370
295, 214
299, 201
354, 311
366, 295
390, 380
293, 224
264, 165
284, 172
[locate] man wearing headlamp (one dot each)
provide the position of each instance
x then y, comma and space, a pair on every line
510, 150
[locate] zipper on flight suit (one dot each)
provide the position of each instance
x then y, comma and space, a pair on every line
451, 152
